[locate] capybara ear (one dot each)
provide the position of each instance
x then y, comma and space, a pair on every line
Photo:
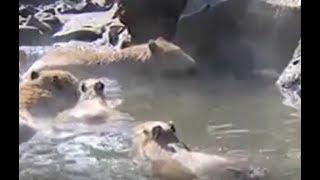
172, 126
153, 46
83, 87
34, 75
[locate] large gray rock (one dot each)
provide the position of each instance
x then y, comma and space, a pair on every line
195, 5
49, 19
116, 35
29, 35
85, 26
26, 10
289, 82
239, 36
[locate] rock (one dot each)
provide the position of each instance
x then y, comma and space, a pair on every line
49, 19
37, 3
74, 43
195, 5
49, 9
22, 20
289, 82
64, 18
104, 42
240, 35
60, 8
147, 19
29, 35
115, 35
77, 7
85, 26
31, 16
102, 3
211, 36
274, 30
27, 10
34, 22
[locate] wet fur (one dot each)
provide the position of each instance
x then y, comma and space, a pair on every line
92, 107
49, 93
154, 57
171, 159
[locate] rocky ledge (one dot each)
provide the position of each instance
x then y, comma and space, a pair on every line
46, 23
289, 82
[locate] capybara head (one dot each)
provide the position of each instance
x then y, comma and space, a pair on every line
49, 91
91, 88
54, 80
153, 137
170, 58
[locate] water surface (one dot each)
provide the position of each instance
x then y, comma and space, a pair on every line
211, 115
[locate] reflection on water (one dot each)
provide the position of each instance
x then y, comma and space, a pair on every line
225, 116
210, 115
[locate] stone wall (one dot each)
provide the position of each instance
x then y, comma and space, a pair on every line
289, 82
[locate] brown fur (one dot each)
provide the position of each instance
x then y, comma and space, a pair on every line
156, 141
91, 89
156, 56
162, 164
48, 92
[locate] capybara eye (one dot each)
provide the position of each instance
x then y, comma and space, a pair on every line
99, 86
156, 132
295, 62
34, 75
172, 127
83, 88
